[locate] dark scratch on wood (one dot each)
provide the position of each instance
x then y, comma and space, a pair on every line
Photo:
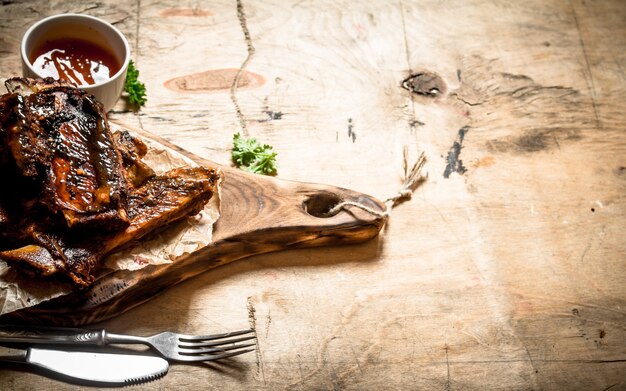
351, 132
272, 115
609, 387
454, 164
241, 15
414, 123
124, 111
407, 53
471, 104
252, 321
582, 257
590, 81
121, 20
530, 359
268, 322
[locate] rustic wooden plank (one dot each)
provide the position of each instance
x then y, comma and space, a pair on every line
506, 274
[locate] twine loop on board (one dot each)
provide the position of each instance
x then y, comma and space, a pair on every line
412, 178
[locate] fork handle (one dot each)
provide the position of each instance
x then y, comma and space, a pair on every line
110, 338
54, 336
13, 355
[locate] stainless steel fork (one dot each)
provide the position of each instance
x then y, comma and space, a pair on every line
172, 346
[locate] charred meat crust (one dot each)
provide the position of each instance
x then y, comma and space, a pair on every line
60, 139
160, 201
70, 173
132, 150
25, 86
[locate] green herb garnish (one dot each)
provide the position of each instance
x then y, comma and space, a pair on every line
136, 90
250, 155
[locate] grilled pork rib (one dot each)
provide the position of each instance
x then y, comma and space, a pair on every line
161, 200
132, 150
59, 137
71, 173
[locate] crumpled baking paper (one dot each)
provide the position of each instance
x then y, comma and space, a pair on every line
18, 291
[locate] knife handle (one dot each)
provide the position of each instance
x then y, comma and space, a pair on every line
12, 354
54, 336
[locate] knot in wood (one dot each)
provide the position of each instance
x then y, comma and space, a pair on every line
427, 84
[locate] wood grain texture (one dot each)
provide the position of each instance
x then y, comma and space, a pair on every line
504, 272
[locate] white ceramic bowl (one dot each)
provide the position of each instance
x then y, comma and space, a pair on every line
83, 27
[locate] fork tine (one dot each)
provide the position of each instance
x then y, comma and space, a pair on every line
226, 355
192, 352
182, 344
214, 336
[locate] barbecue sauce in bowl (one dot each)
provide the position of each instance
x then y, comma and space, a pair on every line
74, 60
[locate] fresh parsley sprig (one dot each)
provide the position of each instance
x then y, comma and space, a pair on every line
252, 156
135, 89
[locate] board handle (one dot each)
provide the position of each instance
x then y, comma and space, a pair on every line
267, 210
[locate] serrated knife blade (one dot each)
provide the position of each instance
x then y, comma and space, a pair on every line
99, 368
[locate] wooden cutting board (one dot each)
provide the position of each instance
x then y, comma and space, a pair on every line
259, 214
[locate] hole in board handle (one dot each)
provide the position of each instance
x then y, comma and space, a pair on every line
318, 205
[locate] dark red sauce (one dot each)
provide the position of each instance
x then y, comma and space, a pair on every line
75, 60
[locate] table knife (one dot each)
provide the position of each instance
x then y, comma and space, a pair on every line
99, 368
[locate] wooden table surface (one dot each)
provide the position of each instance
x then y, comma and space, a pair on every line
506, 270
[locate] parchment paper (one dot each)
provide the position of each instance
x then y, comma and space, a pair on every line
19, 291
